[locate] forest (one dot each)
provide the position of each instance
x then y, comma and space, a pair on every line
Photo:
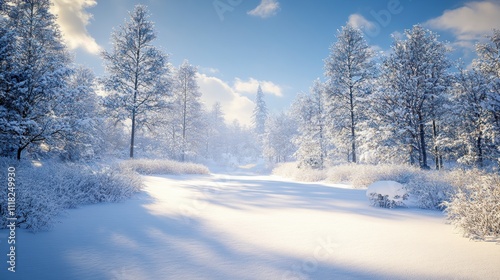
412, 106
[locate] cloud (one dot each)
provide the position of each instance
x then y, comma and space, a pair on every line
73, 19
266, 8
250, 86
360, 22
235, 106
469, 22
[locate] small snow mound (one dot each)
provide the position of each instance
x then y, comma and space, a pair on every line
387, 194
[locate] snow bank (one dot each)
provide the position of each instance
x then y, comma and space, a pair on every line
387, 194
154, 166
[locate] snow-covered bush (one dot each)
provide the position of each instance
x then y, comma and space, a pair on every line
475, 208
304, 173
362, 175
153, 166
429, 189
386, 194
43, 190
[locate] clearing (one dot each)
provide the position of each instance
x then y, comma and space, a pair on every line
249, 227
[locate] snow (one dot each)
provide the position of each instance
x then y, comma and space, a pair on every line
394, 190
249, 227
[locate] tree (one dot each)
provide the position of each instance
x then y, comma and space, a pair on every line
187, 97
276, 139
488, 63
469, 118
311, 140
36, 68
260, 112
349, 69
215, 136
414, 77
137, 73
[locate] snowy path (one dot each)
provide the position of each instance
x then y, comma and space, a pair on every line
249, 227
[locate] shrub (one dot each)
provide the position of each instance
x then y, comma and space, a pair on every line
475, 208
386, 194
44, 190
154, 166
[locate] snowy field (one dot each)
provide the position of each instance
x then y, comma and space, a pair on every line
249, 227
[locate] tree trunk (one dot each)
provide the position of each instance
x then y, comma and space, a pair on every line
353, 125
132, 136
423, 149
436, 149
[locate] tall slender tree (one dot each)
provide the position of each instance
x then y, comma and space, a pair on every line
349, 69
187, 97
137, 72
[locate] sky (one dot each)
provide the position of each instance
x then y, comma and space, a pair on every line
281, 45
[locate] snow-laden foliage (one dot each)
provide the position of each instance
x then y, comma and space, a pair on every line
156, 166
34, 71
44, 189
387, 194
428, 189
475, 208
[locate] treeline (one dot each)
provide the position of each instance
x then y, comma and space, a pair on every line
411, 105
50, 107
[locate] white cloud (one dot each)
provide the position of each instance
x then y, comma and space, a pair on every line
360, 22
469, 22
233, 104
251, 85
266, 8
73, 19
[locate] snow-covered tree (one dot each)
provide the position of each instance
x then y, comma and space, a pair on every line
35, 68
414, 76
137, 78
277, 140
215, 133
260, 112
311, 140
349, 69
469, 120
488, 63
82, 114
189, 108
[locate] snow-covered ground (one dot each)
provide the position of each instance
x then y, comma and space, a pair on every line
249, 227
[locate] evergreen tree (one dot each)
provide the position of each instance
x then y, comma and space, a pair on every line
349, 69
137, 73
260, 113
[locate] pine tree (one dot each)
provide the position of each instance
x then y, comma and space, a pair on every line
277, 144
349, 69
34, 74
260, 112
137, 73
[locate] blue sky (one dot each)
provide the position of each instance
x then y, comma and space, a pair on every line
280, 44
